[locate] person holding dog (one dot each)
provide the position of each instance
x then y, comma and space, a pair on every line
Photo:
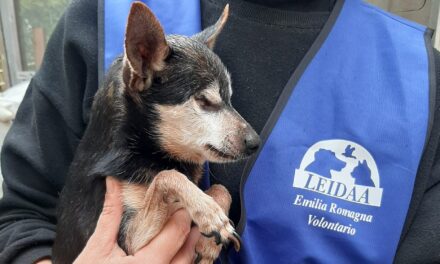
311, 77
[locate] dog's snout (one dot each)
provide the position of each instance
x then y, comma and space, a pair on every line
252, 142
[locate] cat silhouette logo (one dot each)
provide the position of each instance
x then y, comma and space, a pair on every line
341, 169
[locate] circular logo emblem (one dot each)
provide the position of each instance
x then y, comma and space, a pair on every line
342, 169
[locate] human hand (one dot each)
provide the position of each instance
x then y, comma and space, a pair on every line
174, 244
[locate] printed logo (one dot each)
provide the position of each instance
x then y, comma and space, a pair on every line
340, 169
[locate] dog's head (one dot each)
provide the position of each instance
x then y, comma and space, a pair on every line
180, 83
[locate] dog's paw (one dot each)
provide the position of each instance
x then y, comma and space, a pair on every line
210, 216
213, 222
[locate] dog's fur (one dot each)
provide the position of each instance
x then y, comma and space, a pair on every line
163, 111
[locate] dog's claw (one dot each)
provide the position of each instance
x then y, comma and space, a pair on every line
236, 240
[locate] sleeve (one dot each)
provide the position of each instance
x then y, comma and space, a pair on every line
41, 143
421, 244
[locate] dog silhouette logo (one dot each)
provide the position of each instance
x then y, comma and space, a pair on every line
362, 174
325, 160
341, 169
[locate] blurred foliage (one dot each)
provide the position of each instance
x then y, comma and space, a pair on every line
31, 14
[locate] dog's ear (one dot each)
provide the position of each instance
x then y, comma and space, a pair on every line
210, 34
145, 47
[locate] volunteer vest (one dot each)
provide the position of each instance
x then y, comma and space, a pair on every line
333, 179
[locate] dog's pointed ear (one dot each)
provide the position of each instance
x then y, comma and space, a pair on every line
145, 47
210, 34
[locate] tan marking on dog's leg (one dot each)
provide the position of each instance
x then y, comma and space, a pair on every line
202, 208
206, 248
169, 191
151, 212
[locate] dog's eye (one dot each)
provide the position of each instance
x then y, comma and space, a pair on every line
205, 104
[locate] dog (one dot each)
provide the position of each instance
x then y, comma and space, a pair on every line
163, 111
325, 161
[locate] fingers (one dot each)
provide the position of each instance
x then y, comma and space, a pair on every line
168, 242
107, 228
186, 253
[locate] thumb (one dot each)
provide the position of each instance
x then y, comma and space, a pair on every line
107, 228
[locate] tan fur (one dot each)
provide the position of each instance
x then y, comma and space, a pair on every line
180, 125
234, 130
212, 93
168, 192
185, 130
151, 214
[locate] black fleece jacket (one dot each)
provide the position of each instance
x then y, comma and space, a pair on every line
54, 113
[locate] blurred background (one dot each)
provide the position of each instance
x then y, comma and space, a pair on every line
25, 27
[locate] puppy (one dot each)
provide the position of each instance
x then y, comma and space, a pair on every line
164, 110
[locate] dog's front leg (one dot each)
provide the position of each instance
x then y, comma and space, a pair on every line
146, 210
169, 191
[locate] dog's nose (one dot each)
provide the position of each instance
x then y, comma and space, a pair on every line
252, 143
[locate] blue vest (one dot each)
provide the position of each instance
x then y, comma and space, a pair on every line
333, 180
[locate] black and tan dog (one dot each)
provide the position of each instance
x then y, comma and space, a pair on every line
164, 110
